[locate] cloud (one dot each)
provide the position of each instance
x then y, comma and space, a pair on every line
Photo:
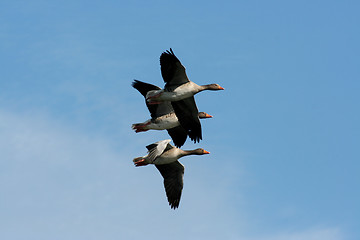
58, 182
54, 177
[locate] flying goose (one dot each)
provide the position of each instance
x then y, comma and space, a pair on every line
165, 158
180, 91
178, 86
162, 116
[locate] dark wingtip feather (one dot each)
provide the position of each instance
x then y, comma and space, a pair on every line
195, 136
168, 63
134, 82
143, 87
174, 203
168, 53
151, 146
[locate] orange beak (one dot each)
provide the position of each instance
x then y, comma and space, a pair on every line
206, 152
221, 88
208, 116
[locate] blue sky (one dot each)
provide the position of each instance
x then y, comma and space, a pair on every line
284, 140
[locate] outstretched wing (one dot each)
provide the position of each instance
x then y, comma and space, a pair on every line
173, 174
172, 71
156, 149
156, 110
178, 135
188, 115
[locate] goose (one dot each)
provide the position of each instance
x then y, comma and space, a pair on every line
180, 91
162, 116
178, 86
165, 158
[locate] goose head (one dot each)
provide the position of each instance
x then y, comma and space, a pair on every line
214, 87
199, 151
204, 115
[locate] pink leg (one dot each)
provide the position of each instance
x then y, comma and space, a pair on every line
153, 103
150, 99
140, 163
140, 127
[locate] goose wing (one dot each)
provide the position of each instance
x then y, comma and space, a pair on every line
156, 110
172, 71
156, 149
173, 174
188, 115
178, 135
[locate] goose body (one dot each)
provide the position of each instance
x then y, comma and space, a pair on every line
180, 92
162, 116
165, 158
163, 122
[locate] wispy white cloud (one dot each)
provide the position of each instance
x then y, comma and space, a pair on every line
58, 182
55, 176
